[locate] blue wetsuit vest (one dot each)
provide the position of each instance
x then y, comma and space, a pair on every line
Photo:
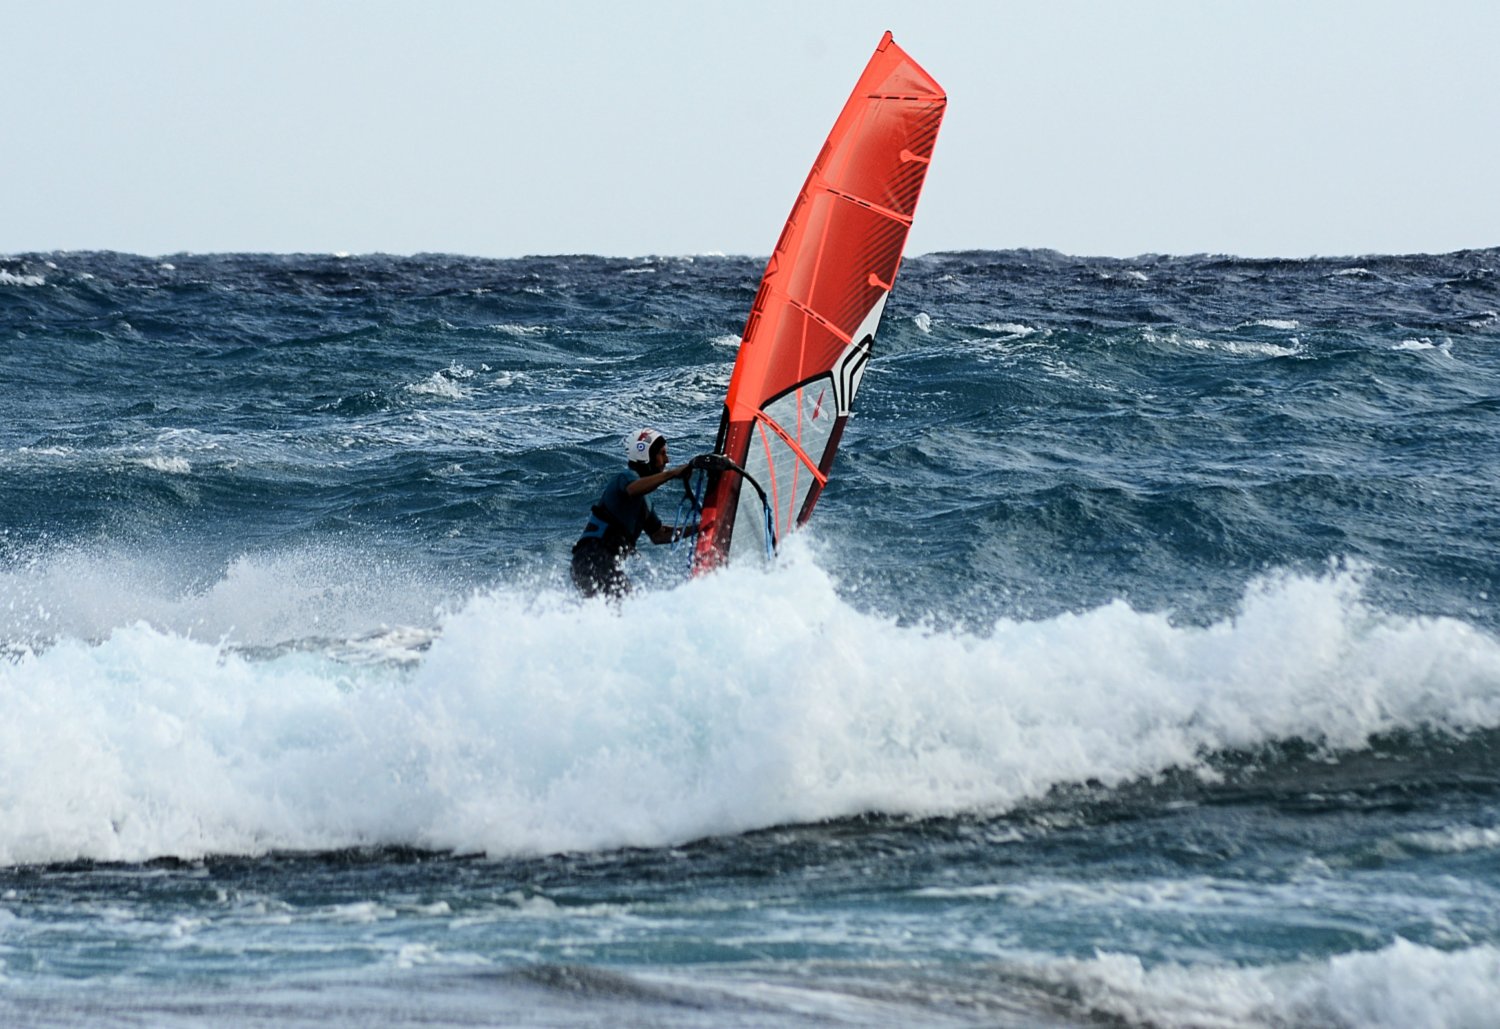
618, 518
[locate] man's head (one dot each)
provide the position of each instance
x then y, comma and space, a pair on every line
646, 451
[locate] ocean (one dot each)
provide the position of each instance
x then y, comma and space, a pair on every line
1140, 665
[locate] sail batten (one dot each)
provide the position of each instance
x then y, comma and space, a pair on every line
810, 330
794, 446
895, 216
815, 316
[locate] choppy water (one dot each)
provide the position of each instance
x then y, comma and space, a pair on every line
1141, 665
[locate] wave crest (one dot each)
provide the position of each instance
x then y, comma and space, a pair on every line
535, 723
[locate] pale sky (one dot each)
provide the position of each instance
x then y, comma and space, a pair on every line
630, 128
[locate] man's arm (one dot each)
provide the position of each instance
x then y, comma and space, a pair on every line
646, 483
670, 533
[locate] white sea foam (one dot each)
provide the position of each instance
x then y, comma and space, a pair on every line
1248, 348
506, 379
1292, 348
1457, 840
376, 607
169, 465
1402, 985
747, 699
1011, 330
448, 383
1445, 348
1057, 368
923, 321
48, 451
12, 279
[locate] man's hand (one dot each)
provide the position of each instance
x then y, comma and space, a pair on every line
710, 463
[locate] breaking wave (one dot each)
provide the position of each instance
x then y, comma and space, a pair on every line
528, 722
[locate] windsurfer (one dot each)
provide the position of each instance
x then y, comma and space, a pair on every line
622, 513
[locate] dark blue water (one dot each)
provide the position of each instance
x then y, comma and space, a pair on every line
1141, 664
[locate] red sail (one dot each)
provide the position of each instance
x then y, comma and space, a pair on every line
813, 322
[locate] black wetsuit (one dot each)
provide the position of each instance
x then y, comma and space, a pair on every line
615, 523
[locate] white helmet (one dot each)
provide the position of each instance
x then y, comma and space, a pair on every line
638, 445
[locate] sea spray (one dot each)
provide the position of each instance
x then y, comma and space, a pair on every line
741, 701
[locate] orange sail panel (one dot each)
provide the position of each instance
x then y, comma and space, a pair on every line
813, 322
